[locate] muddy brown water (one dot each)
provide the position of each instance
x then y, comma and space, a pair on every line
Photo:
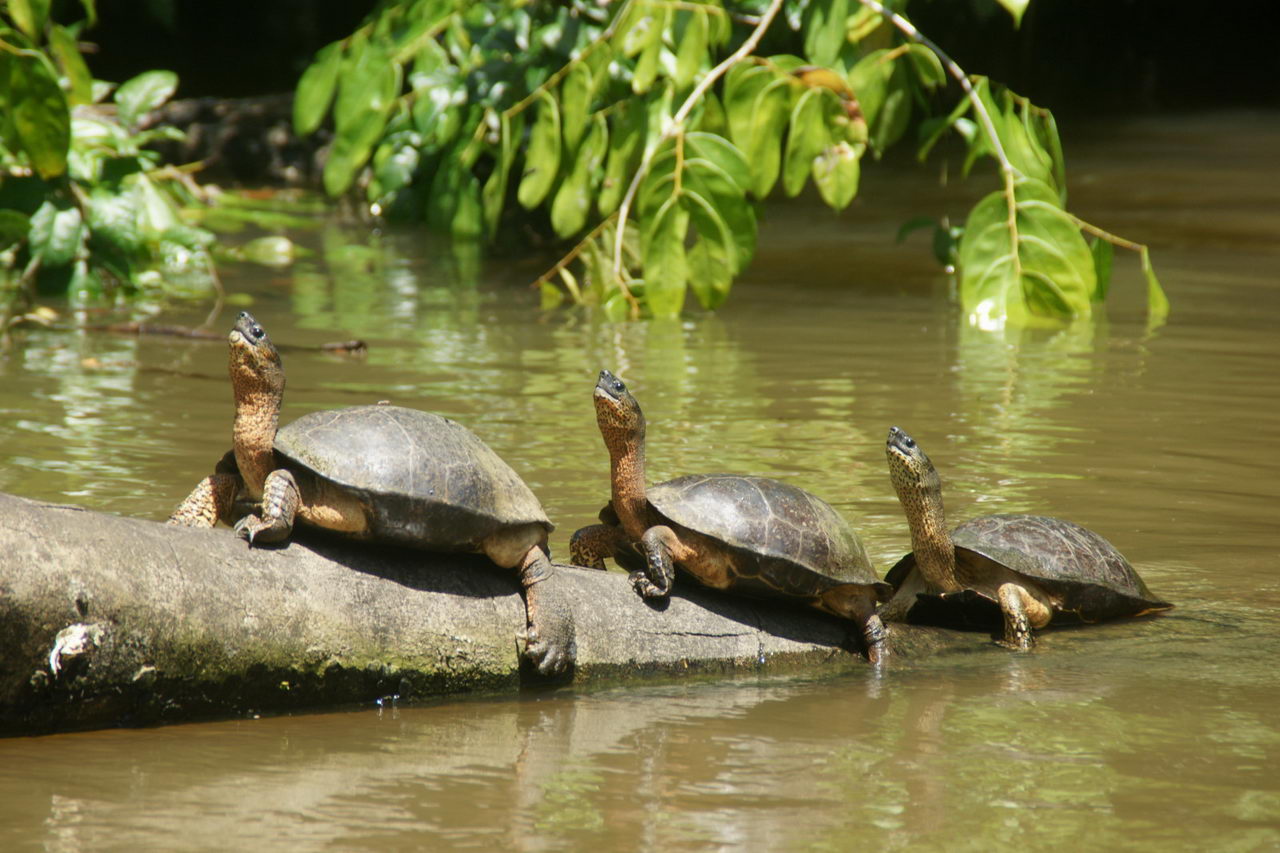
1159, 733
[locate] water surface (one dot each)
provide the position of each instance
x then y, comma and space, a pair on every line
1154, 733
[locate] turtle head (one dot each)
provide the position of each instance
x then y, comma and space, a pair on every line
617, 412
914, 477
255, 363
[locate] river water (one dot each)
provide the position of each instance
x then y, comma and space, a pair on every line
1161, 733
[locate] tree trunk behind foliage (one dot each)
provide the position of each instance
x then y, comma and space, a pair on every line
161, 624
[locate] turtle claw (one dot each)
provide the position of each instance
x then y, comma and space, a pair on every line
644, 587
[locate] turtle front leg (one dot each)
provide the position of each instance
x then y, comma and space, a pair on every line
280, 500
857, 603
662, 549
1022, 612
213, 498
591, 544
551, 643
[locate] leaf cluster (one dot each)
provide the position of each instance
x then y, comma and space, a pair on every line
84, 207
647, 134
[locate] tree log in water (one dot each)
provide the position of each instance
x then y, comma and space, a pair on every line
115, 621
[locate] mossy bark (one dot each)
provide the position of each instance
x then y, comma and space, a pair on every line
156, 623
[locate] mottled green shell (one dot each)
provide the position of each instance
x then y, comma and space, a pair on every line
1086, 572
423, 479
770, 519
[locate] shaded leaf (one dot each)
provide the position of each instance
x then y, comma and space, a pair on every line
63, 45
30, 16
692, 50
575, 95
808, 136
1157, 302
494, 194
40, 115
1103, 254
13, 228
542, 157
665, 271
572, 204
723, 153
625, 149
824, 32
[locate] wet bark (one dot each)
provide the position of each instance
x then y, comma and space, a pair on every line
114, 621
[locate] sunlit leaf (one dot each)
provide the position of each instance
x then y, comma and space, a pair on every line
824, 32
927, 65
692, 50
723, 153
138, 96
625, 149
1103, 253
57, 233
315, 89
665, 271
836, 172
1037, 265
1015, 8
542, 157
30, 16
808, 136
1157, 302
646, 70
575, 95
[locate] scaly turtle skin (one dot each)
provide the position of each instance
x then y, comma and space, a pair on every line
380, 474
1017, 570
751, 535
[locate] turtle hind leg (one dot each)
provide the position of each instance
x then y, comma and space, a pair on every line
662, 549
1022, 612
213, 498
551, 643
591, 544
280, 501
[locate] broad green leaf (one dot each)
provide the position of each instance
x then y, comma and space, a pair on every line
113, 218
634, 30
1103, 254
494, 194
824, 32
927, 65
692, 50
40, 115
575, 96
712, 261
744, 81
666, 272
13, 228
138, 96
315, 89
1023, 150
723, 154
468, 215
864, 22
57, 233
62, 42
625, 149
156, 214
758, 103
738, 214
710, 225
572, 204
542, 157
808, 137
30, 16
646, 70
836, 173
1015, 8
1038, 265
351, 149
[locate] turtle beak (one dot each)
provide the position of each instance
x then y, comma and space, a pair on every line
248, 329
609, 387
899, 442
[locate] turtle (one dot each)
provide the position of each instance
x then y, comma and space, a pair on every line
379, 473
1019, 571
752, 535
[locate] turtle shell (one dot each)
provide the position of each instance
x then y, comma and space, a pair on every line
801, 542
424, 480
1082, 572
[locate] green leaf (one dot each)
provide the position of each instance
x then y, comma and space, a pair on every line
1037, 266
1015, 8
1103, 253
57, 233
625, 149
90, 11
824, 33
737, 213
468, 214
712, 261
575, 97
692, 50
316, 88
646, 70
63, 45
350, 151
572, 203
40, 115
758, 103
13, 228
666, 272
927, 65
494, 194
270, 251
723, 153
1157, 302
138, 96
30, 16
542, 157
113, 218
808, 137
836, 173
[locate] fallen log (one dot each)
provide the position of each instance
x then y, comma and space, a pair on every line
115, 621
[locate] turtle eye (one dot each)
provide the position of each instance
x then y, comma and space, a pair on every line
257, 332
909, 441
618, 386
